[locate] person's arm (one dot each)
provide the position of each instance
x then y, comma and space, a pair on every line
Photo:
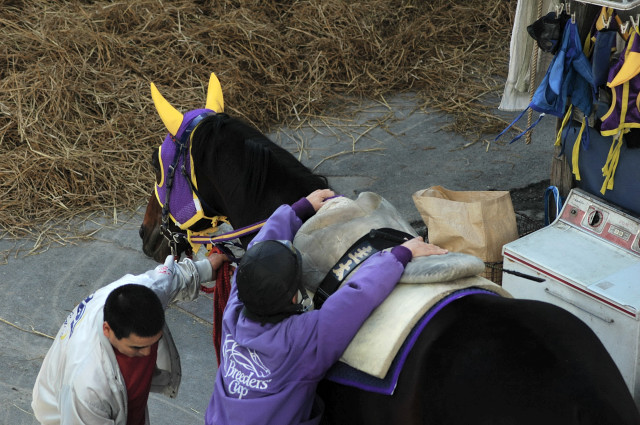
84, 407
286, 220
345, 311
179, 281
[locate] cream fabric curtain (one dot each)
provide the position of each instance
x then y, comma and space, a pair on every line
516, 90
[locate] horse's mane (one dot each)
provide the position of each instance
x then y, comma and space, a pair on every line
221, 136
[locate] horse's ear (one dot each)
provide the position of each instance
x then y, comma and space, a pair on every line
171, 117
215, 102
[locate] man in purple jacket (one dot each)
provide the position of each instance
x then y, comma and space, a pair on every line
273, 356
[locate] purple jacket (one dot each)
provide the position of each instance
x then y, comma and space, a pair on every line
269, 374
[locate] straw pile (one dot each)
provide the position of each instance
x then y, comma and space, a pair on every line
77, 124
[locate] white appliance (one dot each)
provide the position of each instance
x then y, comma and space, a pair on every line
589, 258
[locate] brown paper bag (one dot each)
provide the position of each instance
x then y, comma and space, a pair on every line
476, 223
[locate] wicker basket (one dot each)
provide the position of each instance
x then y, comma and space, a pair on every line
493, 272
526, 225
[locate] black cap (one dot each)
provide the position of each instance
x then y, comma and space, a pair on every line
547, 31
268, 277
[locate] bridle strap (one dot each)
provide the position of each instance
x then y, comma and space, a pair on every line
223, 239
172, 237
164, 226
226, 237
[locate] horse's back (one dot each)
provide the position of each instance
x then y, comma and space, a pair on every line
490, 360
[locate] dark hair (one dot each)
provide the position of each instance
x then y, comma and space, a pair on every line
134, 309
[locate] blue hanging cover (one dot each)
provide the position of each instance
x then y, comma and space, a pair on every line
569, 76
605, 40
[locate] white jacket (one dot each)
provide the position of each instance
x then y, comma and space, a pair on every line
80, 382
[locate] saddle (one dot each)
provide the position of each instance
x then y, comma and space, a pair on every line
340, 224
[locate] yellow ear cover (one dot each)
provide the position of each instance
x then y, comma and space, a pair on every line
171, 117
215, 102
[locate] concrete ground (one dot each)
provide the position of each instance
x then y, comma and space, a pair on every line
393, 151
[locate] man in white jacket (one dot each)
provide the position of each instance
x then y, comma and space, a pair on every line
114, 348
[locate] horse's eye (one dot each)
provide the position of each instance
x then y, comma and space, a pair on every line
155, 161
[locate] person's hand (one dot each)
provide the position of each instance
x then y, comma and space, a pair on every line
318, 197
420, 248
216, 260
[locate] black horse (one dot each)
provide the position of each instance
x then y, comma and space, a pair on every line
482, 359
241, 175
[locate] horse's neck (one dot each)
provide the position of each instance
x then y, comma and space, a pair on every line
280, 179
256, 210
260, 209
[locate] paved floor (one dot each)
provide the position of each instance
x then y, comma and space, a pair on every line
393, 152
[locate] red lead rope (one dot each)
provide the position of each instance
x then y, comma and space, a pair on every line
221, 292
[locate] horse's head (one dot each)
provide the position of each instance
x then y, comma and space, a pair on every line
155, 242
174, 206
233, 171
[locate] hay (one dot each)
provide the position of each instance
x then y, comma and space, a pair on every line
77, 125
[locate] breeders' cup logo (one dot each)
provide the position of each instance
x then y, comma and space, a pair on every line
74, 318
243, 372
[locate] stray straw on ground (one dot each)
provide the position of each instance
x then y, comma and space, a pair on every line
77, 125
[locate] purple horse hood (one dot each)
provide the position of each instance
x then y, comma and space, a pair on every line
184, 206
